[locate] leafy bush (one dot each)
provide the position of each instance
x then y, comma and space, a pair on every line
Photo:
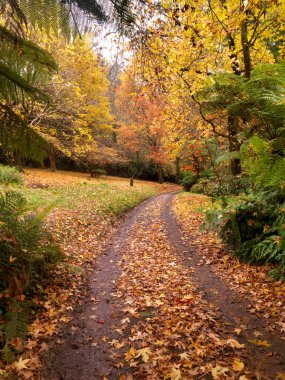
97, 172
254, 226
208, 173
198, 187
27, 252
228, 185
9, 175
188, 181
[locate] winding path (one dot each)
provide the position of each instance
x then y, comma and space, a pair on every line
81, 351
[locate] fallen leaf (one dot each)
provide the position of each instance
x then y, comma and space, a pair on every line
130, 354
21, 364
238, 365
260, 343
144, 353
234, 343
219, 371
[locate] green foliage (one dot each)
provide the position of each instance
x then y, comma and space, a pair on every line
227, 185
254, 226
98, 172
9, 175
265, 161
188, 181
208, 173
27, 253
24, 70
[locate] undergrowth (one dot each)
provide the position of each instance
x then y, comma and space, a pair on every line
27, 254
10, 175
254, 225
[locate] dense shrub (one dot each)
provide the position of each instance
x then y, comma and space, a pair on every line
254, 226
208, 173
98, 172
228, 185
9, 175
188, 180
27, 252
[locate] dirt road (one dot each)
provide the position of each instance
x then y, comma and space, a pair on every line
155, 311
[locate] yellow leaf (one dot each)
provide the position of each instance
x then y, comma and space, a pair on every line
260, 343
21, 364
218, 371
175, 374
12, 259
184, 356
238, 365
65, 319
234, 343
50, 329
130, 354
144, 353
280, 376
237, 331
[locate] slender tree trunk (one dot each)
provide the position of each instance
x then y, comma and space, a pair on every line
18, 160
212, 162
159, 174
245, 49
52, 159
177, 168
234, 144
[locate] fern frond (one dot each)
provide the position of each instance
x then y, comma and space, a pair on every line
16, 321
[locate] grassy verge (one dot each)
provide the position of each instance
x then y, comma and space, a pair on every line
72, 190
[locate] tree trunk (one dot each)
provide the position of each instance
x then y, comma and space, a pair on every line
234, 144
196, 164
52, 159
233, 55
177, 169
18, 160
245, 49
159, 174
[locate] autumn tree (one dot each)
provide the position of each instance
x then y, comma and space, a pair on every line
189, 43
78, 112
142, 133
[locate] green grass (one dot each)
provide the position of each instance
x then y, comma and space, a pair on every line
100, 197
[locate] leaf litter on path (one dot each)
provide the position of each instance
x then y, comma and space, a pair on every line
166, 330
174, 333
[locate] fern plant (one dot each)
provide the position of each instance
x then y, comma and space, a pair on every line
27, 252
254, 226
